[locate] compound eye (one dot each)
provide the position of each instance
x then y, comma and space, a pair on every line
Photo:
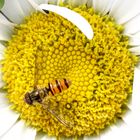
40, 100
27, 99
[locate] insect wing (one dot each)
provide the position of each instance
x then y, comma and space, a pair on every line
58, 110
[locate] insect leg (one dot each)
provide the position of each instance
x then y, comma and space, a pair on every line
58, 118
55, 114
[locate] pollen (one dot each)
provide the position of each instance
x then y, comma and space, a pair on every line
47, 47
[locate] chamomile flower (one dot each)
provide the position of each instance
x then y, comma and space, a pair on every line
101, 69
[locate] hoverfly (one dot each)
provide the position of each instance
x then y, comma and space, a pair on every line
38, 95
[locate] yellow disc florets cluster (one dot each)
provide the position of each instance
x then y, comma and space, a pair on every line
48, 47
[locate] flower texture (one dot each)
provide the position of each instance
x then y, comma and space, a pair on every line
46, 47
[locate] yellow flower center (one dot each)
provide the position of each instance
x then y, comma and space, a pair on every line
47, 48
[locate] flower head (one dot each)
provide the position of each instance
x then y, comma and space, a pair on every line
48, 47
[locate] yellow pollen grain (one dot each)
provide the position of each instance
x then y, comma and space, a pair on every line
48, 47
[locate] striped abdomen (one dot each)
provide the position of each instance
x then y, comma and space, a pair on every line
58, 86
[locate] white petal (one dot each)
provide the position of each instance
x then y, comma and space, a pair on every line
59, 1
108, 135
125, 10
41, 1
4, 21
91, 138
133, 123
120, 132
108, 4
13, 11
132, 118
90, 3
5, 31
133, 26
134, 41
6, 28
26, 7
124, 130
135, 50
77, 2
3, 100
7, 119
35, 3
102, 6
72, 16
135, 104
137, 35
2, 49
94, 3
52, 1
43, 136
20, 132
